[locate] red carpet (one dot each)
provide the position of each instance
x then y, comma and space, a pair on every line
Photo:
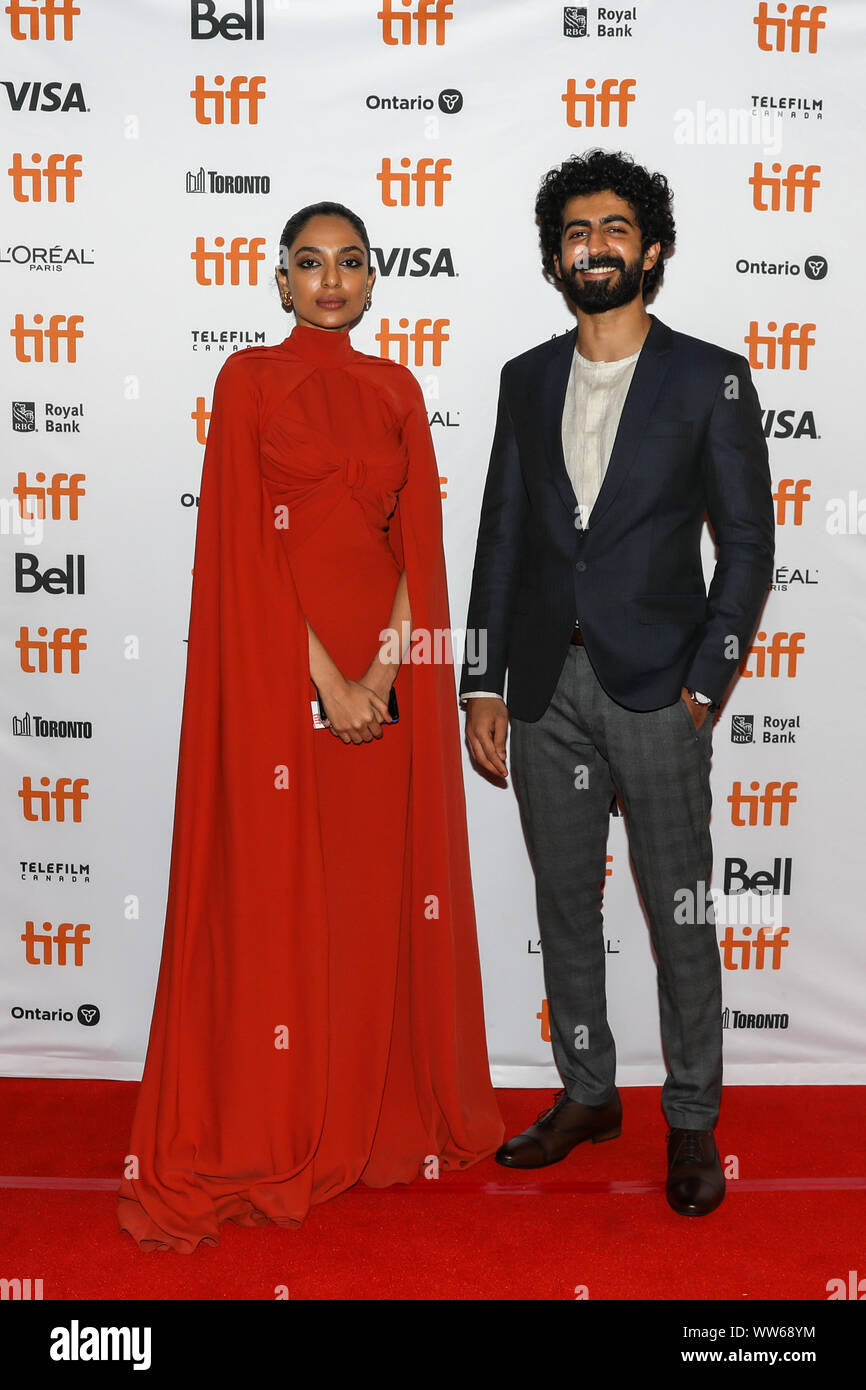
793, 1220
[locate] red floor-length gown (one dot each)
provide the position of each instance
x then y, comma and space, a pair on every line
318, 1016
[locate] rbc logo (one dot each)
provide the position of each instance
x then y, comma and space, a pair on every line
205, 25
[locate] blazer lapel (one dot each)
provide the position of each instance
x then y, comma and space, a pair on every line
553, 391
649, 373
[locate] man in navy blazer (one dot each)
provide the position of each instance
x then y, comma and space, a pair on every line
612, 443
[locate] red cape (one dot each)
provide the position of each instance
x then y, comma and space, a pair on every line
227, 1119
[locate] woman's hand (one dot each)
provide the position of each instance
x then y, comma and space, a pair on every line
354, 712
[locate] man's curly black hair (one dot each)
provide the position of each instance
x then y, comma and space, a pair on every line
594, 172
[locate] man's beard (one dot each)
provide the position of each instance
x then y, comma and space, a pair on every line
596, 296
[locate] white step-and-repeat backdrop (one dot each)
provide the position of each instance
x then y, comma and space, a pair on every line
152, 151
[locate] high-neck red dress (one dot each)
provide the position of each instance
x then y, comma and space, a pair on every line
318, 1015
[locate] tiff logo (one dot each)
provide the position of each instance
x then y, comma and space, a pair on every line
201, 417
770, 941
793, 335
244, 251
56, 178
805, 19
793, 493
598, 106
49, 653
745, 806
783, 647
798, 179
428, 173
426, 333
53, 12
63, 331
243, 94
39, 944
397, 20
67, 792
63, 487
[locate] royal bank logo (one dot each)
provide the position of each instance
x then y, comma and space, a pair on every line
742, 728
210, 181
610, 24
24, 417
574, 21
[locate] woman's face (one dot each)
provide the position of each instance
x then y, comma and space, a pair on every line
327, 274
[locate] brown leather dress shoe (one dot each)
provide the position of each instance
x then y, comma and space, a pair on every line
696, 1183
558, 1130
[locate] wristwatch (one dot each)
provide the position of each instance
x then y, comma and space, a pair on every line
698, 698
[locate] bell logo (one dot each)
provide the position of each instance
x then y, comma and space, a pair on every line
770, 941
597, 106
793, 335
805, 19
30, 182
799, 179
243, 251
63, 331
41, 948
58, 15
427, 173
203, 23
243, 94
783, 647
793, 493
426, 333
747, 806
48, 652
397, 17
63, 487
66, 794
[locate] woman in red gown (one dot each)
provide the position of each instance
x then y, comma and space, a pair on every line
318, 1016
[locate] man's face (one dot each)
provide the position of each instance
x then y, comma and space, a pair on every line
600, 262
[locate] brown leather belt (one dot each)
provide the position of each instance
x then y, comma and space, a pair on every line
577, 638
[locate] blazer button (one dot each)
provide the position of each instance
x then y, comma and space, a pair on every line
581, 566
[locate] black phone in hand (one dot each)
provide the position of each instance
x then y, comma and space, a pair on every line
392, 706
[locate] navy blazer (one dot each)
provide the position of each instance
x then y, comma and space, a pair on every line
690, 442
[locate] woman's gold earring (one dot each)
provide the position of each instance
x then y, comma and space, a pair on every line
287, 302
368, 302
